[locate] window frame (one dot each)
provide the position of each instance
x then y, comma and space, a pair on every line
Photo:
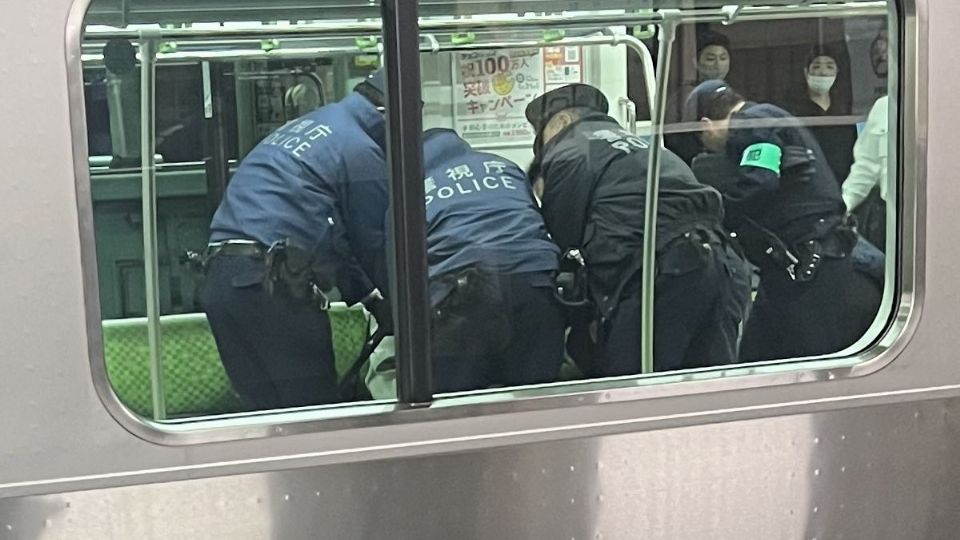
902, 295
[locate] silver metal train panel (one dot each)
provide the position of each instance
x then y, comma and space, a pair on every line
885, 472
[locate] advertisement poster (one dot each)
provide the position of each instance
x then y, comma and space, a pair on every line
492, 90
561, 66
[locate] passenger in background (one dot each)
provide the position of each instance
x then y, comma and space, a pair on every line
865, 189
821, 110
713, 56
283, 234
713, 63
496, 321
592, 174
784, 203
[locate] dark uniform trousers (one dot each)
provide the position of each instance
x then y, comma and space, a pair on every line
793, 319
277, 352
492, 329
702, 292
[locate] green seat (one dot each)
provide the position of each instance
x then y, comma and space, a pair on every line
194, 381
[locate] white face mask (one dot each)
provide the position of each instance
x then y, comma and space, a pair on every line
715, 72
821, 84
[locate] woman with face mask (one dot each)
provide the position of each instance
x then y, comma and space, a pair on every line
827, 116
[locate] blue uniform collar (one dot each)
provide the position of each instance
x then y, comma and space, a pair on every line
370, 120
441, 143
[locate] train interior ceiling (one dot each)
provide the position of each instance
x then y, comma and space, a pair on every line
217, 97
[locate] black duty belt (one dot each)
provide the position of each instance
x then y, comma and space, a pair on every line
236, 248
705, 235
835, 245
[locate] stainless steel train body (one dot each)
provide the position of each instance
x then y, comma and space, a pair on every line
862, 446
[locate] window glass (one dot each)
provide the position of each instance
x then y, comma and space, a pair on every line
538, 152
262, 282
787, 120
242, 282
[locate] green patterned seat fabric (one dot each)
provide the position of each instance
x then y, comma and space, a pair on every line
194, 381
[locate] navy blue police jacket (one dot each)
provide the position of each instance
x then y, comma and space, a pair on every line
481, 211
775, 175
594, 175
319, 183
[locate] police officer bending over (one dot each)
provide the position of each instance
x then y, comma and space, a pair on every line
594, 177
785, 205
491, 266
278, 240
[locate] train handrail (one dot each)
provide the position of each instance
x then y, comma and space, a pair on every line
148, 172
481, 23
668, 31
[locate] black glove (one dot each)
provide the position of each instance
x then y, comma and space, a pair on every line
715, 170
798, 163
381, 310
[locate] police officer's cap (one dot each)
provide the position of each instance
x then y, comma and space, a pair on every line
702, 97
541, 109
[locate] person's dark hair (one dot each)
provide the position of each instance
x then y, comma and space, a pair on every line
708, 38
374, 88
720, 105
712, 99
821, 50
535, 168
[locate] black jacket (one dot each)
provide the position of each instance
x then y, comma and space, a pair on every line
594, 194
835, 140
794, 195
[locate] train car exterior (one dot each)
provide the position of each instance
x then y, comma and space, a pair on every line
864, 446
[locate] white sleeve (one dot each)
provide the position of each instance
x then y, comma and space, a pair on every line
867, 169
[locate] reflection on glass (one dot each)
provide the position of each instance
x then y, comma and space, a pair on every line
254, 278
273, 173
593, 175
784, 203
284, 235
781, 145
495, 319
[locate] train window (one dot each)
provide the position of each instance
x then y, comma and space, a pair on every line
788, 121
768, 236
228, 278
619, 193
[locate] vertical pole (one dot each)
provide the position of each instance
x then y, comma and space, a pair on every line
411, 305
214, 135
148, 53
668, 30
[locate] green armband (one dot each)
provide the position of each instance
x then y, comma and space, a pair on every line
763, 155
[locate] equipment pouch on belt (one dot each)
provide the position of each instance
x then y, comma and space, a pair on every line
571, 281
837, 244
685, 254
469, 287
195, 262
294, 269
767, 250
473, 314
